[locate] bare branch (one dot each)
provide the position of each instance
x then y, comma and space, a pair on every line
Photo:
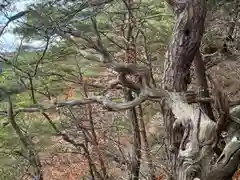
107, 56
107, 103
97, 99
8, 62
13, 18
41, 58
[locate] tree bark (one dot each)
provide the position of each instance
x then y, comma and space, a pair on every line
145, 145
185, 41
202, 83
28, 146
137, 155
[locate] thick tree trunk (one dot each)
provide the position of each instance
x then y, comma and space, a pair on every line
186, 39
191, 132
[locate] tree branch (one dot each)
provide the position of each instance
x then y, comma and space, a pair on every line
13, 18
229, 160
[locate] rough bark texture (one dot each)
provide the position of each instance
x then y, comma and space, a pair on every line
186, 39
136, 156
191, 132
145, 145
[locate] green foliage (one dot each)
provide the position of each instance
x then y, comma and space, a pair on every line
63, 62
12, 165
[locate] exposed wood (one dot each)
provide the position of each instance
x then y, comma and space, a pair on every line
185, 42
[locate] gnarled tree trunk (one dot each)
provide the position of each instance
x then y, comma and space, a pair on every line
191, 131
184, 143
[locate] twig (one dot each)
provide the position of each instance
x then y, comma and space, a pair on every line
41, 58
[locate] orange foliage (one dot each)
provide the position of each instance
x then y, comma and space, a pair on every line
236, 176
161, 177
70, 93
71, 177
